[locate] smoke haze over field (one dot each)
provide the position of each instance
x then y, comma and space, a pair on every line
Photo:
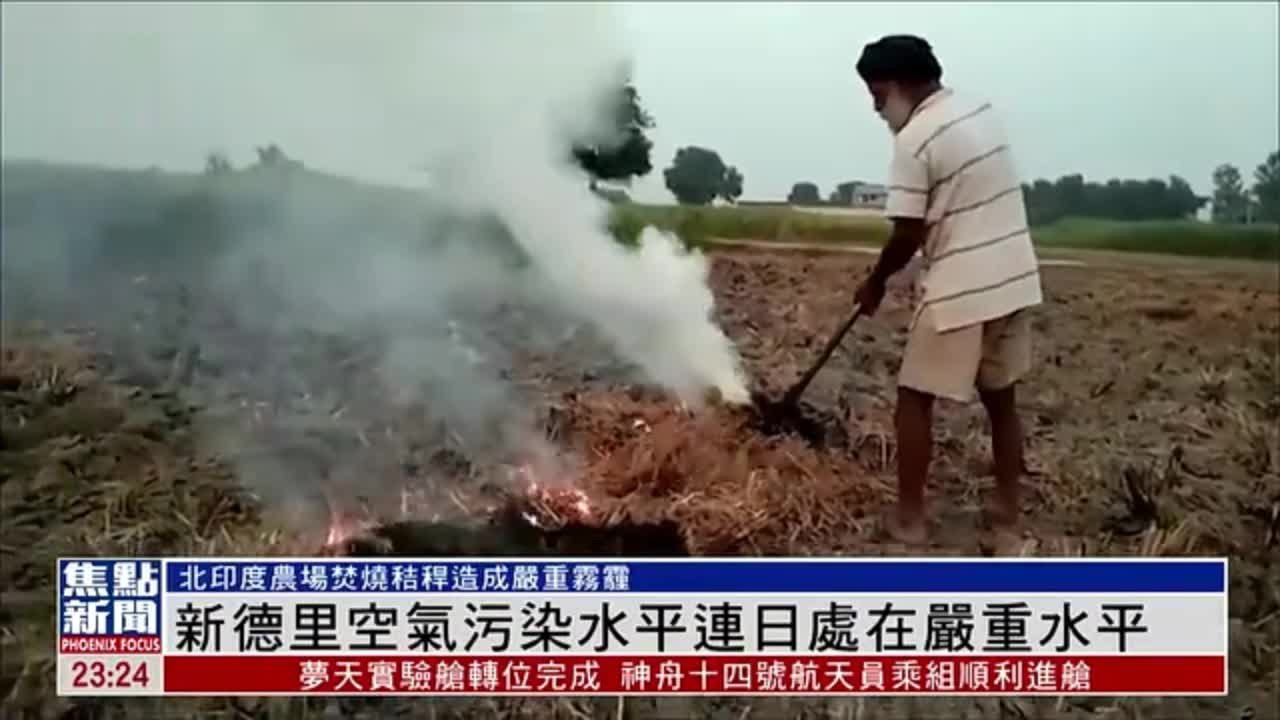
500, 91
488, 97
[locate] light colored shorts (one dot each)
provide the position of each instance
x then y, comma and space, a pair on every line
990, 356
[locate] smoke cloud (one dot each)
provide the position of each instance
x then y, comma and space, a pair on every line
499, 92
474, 104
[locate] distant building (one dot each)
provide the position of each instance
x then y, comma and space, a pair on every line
860, 195
870, 195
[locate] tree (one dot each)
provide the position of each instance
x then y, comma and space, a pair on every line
628, 155
1266, 188
731, 188
1230, 201
804, 193
272, 156
697, 176
1043, 203
1182, 201
1075, 198
216, 163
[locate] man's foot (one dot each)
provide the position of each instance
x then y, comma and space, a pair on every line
1001, 543
909, 531
999, 516
1002, 529
999, 519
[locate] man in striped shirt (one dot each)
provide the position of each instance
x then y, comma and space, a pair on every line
955, 194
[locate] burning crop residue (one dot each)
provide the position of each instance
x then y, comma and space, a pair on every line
651, 473
345, 527
552, 502
568, 504
527, 505
533, 509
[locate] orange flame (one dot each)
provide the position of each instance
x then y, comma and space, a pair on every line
565, 502
344, 526
569, 502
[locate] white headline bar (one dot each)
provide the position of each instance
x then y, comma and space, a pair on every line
636, 624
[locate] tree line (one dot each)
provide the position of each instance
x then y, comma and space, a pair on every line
698, 175
1116, 199
1231, 202
1125, 199
1070, 195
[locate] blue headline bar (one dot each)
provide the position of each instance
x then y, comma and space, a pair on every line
699, 576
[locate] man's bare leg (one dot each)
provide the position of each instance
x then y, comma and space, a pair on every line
1006, 450
914, 421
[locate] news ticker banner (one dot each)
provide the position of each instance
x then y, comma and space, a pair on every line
758, 626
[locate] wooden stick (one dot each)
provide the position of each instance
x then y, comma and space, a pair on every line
793, 395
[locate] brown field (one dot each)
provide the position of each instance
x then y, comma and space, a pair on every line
1151, 424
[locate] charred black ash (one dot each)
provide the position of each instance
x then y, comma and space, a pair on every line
513, 531
817, 427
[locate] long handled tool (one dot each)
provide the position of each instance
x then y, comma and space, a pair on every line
787, 404
793, 395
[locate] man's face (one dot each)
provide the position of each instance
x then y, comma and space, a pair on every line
890, 103
879, 93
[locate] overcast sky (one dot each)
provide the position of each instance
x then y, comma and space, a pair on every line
1107, 89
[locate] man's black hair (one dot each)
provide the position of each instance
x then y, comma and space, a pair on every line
899, 58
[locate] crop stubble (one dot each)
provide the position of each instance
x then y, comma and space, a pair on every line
1150, 419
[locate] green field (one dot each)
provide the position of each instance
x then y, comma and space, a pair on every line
88, 202
1185, 237
698, 226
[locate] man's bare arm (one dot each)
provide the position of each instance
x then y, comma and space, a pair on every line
908, 235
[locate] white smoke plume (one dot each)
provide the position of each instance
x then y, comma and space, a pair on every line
498, 91
477, 103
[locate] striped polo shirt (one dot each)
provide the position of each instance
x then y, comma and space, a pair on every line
952, 167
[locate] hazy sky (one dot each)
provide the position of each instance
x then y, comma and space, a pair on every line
1107, 89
